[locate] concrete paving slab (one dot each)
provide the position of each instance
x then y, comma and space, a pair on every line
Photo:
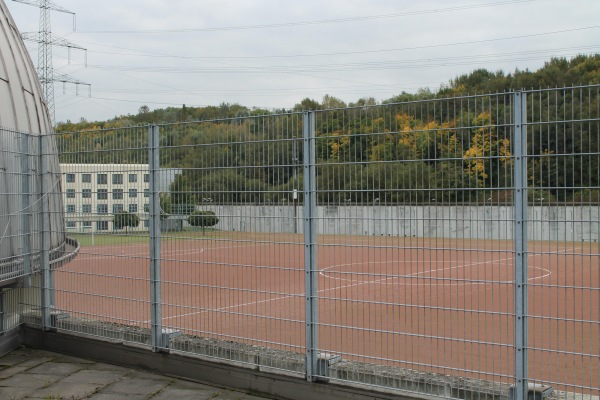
181, 384
35, 361
38, 374
13, 359
182, 390
107, 367
231, 395
185, 394
94, 376
147, 375
10, 371
116, 396
34, 352
70, 359
15, 393
34, 381
136, 386
54, 368
66, 390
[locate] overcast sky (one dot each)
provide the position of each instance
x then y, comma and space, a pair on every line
274, 53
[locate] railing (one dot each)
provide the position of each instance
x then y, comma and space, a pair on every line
447, 247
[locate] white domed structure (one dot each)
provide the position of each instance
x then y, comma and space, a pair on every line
24, 120
23, 106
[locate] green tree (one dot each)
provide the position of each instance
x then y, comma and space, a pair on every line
307, 104
203, 219
165, 206
124, 220
332, 102
183, 198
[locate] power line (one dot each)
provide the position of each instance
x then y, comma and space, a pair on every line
46, 41
363, 66
305, 23
144, 53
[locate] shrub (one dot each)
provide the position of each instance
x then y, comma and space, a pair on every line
203, 219
124, 219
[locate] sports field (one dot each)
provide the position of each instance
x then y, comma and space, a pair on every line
438, 305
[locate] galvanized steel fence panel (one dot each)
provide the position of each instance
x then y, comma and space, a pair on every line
20, 224
232, 263
446, 247
105, 290
416, 286
564, 217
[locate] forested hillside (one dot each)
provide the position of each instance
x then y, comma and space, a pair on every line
558, 72
411, 150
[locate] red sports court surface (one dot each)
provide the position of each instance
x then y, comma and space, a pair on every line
438, 305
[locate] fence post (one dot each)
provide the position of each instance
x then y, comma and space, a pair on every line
26, 213
520, 150
310, 243
154, 225
45, 188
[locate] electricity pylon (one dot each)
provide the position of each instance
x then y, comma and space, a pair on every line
46, 41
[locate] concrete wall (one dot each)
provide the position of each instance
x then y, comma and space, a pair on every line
560, 223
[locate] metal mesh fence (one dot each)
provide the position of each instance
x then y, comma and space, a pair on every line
416, 282
105, 291
31, 235
564, 218
232, 264
446, 247
19, 205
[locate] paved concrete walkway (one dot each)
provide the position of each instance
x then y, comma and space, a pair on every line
39, 374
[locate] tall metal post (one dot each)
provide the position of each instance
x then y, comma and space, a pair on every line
310, 244
45, 188
45, 66
155, 212
46, 41
520, 154
25, 206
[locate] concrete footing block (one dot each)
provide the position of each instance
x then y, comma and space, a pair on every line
324, 363
535, 391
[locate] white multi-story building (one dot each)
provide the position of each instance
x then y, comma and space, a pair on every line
93, 193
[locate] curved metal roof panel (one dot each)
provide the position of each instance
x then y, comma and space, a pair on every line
24, 120
26, 110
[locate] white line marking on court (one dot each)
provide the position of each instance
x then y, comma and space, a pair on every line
324, 272
90, 256
233, 306
303, 294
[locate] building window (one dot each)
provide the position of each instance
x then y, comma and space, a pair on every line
117, 208
86, 178
146, 208
146, 178
146, 223
132, 178
70, 208
86, 224
101, 225
117, 179
132, 193
146, 192
86, 193
70, 193
117, 194
102, 208
70, 178
71, 224
102, 179
86, 208
133, 208
102, 194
